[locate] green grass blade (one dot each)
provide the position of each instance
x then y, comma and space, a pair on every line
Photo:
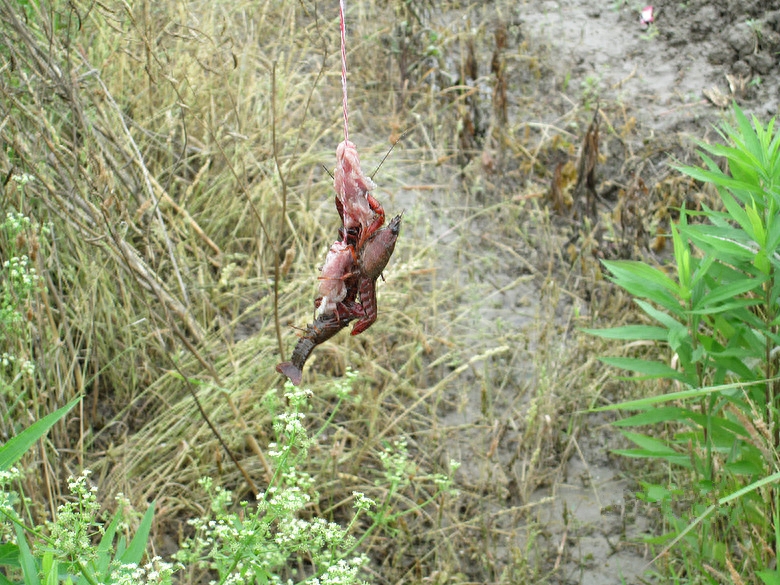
631, 333
644, 403
649, 369
653, 416
26, 559
13, 450
135, 551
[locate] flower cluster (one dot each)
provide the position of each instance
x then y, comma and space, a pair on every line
77, 521
396, 463
261, 542
155, 572
19, 283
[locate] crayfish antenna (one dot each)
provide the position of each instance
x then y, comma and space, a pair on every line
384, 158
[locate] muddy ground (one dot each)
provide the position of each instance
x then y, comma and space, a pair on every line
675, 72
674, 79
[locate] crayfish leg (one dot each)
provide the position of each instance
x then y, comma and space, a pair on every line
368, 302
362, 325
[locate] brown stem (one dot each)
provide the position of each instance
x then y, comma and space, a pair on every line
277, 250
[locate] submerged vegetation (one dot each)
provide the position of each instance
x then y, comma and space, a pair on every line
165, 208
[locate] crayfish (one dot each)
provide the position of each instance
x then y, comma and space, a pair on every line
347, 283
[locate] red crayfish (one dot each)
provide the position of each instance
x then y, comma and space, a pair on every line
347, 285
353, 264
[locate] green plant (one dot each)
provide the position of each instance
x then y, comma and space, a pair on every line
651, 33
591, 91
718, 319
249, 544
259, 543
63, 548
19, 285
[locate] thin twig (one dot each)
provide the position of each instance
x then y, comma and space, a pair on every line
277, 250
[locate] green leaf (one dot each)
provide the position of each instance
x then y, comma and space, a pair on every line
773, 235
728, 291
739, 213
723, 242
135, 551
653, 416
744, 468
657, 493
630, 332
634, 271
729, 307
26, 559
663, 318
736, 157
756, 224
716, 178
769, 577
17, 446
649, 369
105, 548
121, 546
770, 479
682, 255
693, 393
750, 138
49, 568
650, 448
774, 478
9, 555
644, 281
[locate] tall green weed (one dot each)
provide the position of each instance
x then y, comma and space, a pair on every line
278, 538
716, 315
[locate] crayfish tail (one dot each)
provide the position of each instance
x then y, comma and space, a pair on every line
290, 370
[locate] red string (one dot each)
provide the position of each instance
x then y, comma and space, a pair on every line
344, 67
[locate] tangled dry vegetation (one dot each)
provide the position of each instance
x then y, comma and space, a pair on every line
177, 151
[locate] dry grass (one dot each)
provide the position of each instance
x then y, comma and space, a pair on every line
177, 151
